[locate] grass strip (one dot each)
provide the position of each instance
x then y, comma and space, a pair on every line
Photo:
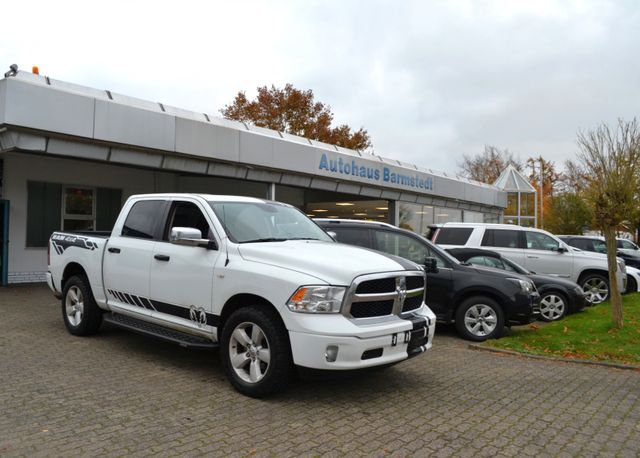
586, 335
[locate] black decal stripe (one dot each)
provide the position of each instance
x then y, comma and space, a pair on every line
149, 304
138, 302
171, 309
213, 320
129, 299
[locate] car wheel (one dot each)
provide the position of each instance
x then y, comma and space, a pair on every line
596, 288
479, 318
553, 306
632, 286
255, 352
80, 313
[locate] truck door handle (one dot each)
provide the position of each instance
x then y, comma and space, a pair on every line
161, 257
113, 250
532, 257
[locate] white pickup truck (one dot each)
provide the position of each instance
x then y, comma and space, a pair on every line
256, 277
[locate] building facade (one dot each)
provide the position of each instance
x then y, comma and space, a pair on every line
71, 155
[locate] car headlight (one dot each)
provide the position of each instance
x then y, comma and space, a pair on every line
525, 286
317, 299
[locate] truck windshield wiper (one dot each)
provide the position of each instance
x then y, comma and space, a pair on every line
266, 239
303, 238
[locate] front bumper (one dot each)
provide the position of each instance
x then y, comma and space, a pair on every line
525, 308
368, 345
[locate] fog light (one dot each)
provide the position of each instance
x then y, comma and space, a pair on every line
331, 354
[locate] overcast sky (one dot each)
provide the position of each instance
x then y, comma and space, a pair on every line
429, 80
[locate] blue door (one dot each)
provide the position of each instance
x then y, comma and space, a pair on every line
4, 242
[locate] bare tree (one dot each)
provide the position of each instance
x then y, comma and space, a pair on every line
487, 166
611, 159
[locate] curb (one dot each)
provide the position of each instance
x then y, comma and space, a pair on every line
554, 358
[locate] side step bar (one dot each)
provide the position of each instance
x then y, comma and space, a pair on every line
159, 332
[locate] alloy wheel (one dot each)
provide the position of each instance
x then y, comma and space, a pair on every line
480, 320
249, 352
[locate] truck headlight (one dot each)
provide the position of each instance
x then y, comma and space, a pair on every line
524, 285
317, 299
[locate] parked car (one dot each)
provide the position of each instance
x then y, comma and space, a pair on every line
536, 250
480, 301
257, 278
597, 244
557, 295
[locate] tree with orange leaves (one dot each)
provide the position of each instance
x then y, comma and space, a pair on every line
295, 112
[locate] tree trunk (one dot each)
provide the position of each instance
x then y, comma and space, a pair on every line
614, 293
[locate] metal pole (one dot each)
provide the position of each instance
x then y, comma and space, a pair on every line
541, 193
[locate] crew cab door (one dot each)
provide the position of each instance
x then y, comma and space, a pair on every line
128, 255
181, 277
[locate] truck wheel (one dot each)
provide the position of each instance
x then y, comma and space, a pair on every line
479, 318
255, 352
553, 306
80, 313
595, 287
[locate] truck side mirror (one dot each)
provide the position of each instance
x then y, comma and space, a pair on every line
190, 236
333, 235
431, 265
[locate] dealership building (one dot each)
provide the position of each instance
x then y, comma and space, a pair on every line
71, 155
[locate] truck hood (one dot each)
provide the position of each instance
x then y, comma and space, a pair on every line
334, 263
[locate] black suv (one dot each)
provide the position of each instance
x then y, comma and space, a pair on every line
481, 301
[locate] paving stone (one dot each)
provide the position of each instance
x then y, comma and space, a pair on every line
121, 394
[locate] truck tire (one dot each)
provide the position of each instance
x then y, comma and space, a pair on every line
596, 288
255, 352
479, 318
80, 313
553, 306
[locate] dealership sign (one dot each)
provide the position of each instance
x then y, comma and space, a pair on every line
374, 173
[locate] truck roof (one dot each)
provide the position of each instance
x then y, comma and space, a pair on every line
209, 197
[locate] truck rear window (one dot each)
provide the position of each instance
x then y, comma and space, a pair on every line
453, 235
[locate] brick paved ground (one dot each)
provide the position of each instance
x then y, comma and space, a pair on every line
120, 394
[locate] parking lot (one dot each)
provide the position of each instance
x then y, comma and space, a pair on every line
120, 394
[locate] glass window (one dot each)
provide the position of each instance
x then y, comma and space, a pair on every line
78, 209
402, 245
247, 222
445, 215
490, 218
599, 246
539, 241
352, 236
453, 235
501, 238
487, 261
472, 217
527, 204
626, 245
512, 204
141, 220
187, 214
416, 218
582, 244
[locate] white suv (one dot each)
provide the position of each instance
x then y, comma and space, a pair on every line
538, 251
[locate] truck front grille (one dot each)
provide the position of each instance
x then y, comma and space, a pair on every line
379, 295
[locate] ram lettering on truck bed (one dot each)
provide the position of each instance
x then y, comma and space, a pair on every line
255, 277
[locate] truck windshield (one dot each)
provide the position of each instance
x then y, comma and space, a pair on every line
246, 222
